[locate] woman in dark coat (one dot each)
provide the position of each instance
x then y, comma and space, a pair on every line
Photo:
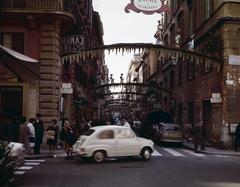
69, 139
52, 134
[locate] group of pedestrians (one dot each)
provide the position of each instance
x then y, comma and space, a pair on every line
30, 133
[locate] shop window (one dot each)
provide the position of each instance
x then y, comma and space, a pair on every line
14, 41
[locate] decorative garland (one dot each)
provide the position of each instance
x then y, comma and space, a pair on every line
162, 52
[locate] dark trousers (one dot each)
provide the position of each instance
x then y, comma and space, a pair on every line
37, 147
236, 144
198, 140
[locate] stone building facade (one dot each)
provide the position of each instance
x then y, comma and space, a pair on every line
36, 28
205, 91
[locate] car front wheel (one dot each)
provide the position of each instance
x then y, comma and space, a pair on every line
146, 154
99, 156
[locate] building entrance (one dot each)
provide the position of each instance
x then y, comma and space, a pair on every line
207, 122
11, 102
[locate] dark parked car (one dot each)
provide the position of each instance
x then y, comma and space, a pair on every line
153, 118
167, 132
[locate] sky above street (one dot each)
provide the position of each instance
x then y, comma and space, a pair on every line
122, 27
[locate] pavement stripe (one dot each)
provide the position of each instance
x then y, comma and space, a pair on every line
60, 155
173, 152
193, 153
25, 167
156, 153
19, 172
34, 160
31, 163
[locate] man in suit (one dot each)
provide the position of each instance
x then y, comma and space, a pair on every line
38, 126
198, 139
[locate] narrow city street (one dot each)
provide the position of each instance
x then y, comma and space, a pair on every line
146, 92
169, 166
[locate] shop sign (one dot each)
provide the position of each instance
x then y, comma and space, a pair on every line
234, 60
66, 88
216, 98
148, 6
72, 44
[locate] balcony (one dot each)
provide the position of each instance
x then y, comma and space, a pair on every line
34, 4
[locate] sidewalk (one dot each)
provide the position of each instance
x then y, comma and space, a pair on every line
211, 150
44, 153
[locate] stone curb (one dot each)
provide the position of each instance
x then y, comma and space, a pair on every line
212, 153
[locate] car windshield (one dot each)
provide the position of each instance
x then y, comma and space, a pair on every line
169, 128
89, 132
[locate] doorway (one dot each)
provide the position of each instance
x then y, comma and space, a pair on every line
11, 106
191, 113
180, 113
11, 102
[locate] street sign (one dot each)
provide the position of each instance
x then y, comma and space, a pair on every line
72, 44
234, 60
66, 88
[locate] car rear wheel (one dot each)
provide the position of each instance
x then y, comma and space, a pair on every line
146, 154
99, 156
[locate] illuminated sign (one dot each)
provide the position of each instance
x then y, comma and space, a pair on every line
148, 6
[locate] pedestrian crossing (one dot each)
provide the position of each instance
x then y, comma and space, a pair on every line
28, 165
175, 152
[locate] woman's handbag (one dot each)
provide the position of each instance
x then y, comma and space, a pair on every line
50, 135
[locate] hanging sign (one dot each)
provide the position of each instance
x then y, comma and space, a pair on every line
72, 44
148, 6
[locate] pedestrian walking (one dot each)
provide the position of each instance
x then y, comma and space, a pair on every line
52, 134
197, 136
187, 131
237, 137
24, 133
38, 126
31, 136
69, 138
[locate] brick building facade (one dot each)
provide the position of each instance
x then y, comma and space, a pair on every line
205, 91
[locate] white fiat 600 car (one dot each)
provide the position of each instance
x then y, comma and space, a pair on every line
112, 141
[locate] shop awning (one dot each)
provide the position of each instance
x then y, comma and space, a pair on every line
19, 65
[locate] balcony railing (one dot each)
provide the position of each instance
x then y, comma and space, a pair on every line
34, 4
